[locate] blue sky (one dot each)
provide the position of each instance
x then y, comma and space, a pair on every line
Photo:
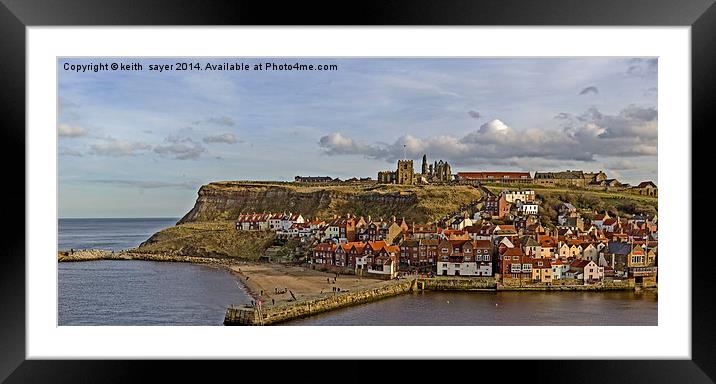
141, 143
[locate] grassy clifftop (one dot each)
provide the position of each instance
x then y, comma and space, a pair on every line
590, 201
208, 229
208, 239
226, 200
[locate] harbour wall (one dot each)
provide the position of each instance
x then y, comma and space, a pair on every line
251, 316
299, 309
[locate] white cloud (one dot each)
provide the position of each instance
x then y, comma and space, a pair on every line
181, 148
223, 121
642, 67
227, 138
116, 147
64, 151
632, 132
621, 165
66, 130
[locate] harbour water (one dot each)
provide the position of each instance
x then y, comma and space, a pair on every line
130, 292
499, 308
113, 292
108, 234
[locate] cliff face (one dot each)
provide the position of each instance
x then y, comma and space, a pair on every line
226, 200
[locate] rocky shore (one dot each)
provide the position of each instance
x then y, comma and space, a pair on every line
98, 254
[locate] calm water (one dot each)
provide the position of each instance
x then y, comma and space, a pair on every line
109, 234
117, 292
151, 293
499, 308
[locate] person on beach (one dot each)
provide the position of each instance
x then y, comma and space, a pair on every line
273, 302
328, 280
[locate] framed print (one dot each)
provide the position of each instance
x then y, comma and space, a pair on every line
441, 181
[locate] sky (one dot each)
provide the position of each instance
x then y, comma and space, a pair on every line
140, 143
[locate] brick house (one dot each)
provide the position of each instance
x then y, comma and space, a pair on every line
646, 188
513, 264
324, 253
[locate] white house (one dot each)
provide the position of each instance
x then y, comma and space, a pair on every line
515, 196
458, 269
528, 208
590, 252
588, 269
290, 219
461, 222
559, 269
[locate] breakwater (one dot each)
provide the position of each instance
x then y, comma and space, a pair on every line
98, 254
294, 310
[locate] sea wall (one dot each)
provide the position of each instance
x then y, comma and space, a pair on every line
250, 316
295, 310
614, 286
456, 284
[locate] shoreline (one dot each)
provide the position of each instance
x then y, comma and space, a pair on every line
233, 266
306, 282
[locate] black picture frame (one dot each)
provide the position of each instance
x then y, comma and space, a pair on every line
16, 15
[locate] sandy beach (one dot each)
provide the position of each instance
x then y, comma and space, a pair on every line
305, 283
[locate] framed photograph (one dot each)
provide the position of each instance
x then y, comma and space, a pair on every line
440, 181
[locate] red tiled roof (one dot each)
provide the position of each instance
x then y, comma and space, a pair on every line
516, 251
580, 263
495, 175
483, 244
376, 245
392, 248
325, 247
644, 184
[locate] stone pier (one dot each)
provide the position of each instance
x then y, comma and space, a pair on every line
299, 309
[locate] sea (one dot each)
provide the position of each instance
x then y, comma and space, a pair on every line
133, 292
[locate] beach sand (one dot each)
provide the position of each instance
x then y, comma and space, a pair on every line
305, 283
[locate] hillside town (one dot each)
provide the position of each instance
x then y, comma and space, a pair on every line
501, 236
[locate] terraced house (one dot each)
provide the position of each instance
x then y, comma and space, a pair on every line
464, 258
